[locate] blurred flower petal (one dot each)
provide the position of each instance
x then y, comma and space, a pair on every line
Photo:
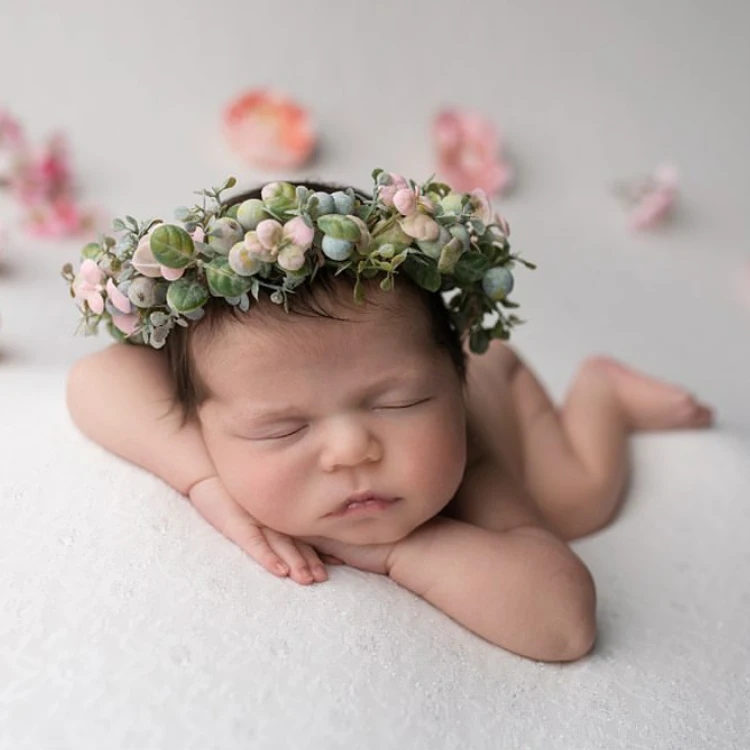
468, 152
269, 130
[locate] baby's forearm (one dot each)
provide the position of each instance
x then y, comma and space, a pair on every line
523, 590
120, 398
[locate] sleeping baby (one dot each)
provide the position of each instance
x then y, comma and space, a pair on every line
312, 367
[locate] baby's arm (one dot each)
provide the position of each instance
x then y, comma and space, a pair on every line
522, 589
120, 398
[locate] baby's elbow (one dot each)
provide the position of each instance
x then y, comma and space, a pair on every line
76, 386
576, 631
81, 391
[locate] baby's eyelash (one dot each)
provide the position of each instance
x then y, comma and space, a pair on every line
404, 406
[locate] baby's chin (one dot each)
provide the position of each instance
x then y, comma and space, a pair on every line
363, 537
374, 531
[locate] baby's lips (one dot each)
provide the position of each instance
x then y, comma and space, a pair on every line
269, 130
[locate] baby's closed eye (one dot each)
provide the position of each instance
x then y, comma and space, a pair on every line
288, 434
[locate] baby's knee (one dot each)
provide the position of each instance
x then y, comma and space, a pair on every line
582, 615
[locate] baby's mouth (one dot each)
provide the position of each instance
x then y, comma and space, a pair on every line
362, 503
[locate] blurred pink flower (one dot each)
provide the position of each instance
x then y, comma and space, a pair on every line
468, 152
651, 200
60, 218
10, 131
42, 183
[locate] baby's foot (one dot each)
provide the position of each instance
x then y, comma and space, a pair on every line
652, 404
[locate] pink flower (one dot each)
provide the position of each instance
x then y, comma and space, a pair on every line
59, 218
269, 130
269, 233
45, 178
468, 152
10, 131
126, 323
117, 298
480, 205
653, 199
300, 233
405, 201
388, 192
286, 244
88, 286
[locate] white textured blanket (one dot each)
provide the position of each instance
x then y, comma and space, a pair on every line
127, 622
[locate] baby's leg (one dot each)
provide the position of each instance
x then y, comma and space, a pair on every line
575, 459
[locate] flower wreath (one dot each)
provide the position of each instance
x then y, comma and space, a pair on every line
156, 275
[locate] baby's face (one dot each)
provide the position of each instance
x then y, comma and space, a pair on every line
305, 412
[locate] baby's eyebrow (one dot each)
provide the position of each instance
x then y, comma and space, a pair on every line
261, 414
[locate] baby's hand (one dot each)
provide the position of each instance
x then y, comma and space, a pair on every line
278, 553
374, 558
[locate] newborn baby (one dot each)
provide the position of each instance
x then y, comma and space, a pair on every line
369, 435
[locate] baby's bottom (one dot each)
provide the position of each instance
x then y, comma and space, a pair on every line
573, 460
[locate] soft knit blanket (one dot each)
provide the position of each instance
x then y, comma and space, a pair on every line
126, 621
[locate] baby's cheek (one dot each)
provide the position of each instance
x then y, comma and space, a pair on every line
438, 457
263, 489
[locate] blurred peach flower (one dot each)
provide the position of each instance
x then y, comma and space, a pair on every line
469, 152
269, 130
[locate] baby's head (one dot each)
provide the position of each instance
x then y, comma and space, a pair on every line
301, 410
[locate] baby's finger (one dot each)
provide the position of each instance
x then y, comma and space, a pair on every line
239, 527
286, 549
313, 561
252, 541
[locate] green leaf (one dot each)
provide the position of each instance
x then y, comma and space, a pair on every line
223, 281
172, 246
185, 296
339, 227
479, 341
92, 251
470, 268
359, 292
424, 272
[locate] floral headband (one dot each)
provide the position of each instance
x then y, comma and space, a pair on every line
156, 275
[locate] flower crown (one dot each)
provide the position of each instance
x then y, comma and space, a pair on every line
156, 276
